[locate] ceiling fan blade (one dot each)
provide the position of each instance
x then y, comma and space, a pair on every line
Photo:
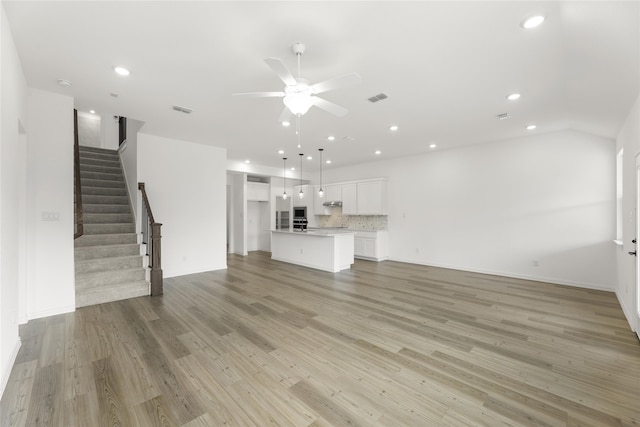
329, 106
336, 83
281, 70
260, 94
285, 116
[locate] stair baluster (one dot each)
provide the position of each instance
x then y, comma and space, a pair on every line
152, 241
78, 186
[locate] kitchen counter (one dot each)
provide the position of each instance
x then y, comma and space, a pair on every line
328, 250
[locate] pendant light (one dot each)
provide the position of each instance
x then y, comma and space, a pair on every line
284, 175
301, 193
321, 191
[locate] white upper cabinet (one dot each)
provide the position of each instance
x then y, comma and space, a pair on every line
358, 197
306, 200
332, 193
350, 199
372, 197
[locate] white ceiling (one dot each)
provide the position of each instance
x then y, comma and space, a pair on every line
446, 67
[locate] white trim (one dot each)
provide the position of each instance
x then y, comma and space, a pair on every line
6, 370
552, 280
52, 312
625, 311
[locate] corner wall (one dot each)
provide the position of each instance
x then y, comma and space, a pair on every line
186, 184
13, 116
540, 207
626, 290
51, 277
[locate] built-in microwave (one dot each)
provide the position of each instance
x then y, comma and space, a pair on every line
299, 211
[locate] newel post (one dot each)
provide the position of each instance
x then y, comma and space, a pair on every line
156, 266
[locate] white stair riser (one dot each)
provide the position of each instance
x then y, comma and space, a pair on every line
105, 251
107, 264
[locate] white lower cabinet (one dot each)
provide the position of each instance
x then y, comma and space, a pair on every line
371, 245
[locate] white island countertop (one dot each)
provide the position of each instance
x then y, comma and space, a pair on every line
328, 250
317, 232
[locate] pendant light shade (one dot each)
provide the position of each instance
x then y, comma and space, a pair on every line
284, 175
321, 191
301, 193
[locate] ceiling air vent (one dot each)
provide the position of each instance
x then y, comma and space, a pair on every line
503, 116
182, 109
378, 97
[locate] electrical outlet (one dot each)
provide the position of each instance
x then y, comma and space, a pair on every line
536, 263
50, 216
417, 250
301, 251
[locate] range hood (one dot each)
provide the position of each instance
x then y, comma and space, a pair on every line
334, 203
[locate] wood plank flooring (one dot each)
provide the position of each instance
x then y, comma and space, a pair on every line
384, 344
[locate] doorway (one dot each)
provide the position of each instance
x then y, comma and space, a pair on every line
258, 237
636, 298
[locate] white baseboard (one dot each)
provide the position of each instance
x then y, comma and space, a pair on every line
628, 313
6, 370
52, 312
553, 280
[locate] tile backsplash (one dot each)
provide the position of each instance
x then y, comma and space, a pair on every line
356, 222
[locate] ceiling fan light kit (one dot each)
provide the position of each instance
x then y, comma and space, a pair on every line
298, 95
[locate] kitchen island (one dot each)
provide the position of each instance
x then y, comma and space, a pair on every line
328, 250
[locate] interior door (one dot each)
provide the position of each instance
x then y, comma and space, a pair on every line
636, 297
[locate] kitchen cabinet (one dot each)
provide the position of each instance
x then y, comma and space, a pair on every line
332, 193
350, 199
371, 245
372, 198
307, 200
364, 198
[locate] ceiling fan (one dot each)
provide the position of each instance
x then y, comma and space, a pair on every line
298, 95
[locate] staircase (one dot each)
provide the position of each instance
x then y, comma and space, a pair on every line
107, 255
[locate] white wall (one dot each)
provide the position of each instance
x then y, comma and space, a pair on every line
186, 185
89, 130
50, 274
239, 213
626, 290
129, 159
109, 131
258, 236
504, 207
13, 119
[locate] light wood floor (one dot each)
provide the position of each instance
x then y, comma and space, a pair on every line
385, 344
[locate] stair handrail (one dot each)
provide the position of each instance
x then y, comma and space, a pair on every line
76, 168
152, 242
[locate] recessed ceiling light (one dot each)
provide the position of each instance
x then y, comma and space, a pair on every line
513, 96
121, 71
393, 127
532, 21
293, 169
433, 145
328, 162
378, 152
309, 158
247, 161
285, 124
331, 137
280, 151
531, 127
92, 111
63, 82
